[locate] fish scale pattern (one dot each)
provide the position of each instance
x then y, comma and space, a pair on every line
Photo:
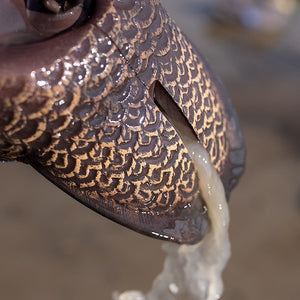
94, 131
159, 51
117, 129
88, 122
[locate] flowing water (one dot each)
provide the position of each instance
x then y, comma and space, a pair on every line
193, 272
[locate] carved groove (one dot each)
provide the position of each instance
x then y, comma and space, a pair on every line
87, 121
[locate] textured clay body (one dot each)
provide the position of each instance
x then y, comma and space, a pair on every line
80, 108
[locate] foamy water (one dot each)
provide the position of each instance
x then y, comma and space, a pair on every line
193, 272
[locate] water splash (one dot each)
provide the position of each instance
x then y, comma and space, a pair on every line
193, 272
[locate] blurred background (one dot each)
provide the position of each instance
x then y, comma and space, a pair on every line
54, 248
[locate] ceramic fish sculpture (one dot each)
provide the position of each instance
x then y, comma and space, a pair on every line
96, 96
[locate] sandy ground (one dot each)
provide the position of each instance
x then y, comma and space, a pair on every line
54, 248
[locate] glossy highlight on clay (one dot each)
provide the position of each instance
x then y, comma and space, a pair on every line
78, 106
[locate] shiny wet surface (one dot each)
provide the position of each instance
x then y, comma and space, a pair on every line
54, 248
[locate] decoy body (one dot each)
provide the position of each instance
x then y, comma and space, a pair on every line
96, 96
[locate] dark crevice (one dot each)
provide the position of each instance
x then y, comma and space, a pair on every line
172, 112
